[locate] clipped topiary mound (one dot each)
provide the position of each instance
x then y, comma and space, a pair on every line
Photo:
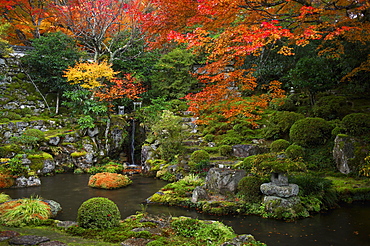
357, 124
249, 188
279, 124
98, 213
310, 132
108, 180
279, 145
225, 150
199, 160
294, 152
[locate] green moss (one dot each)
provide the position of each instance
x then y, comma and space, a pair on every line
37, 160
78, 154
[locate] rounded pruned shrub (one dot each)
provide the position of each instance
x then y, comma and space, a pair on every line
279, 145
280, 123
225, 150
310, 132
199, 160
331, 107
294, 152
357, 124
98, 213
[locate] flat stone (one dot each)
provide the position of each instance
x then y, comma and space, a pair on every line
53, 243
5, 235
28, 240
285, 191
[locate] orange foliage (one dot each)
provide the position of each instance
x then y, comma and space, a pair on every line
128, 87
6, 181
230, 30
108, 180
28, 19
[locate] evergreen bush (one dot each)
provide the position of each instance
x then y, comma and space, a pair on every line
294, 152
199, 160
282, 104
98, 213
310, 132
331, 107
225, 150
249, 188
279, 145
357, 124
279, 124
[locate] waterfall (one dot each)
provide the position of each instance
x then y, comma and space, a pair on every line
133, 142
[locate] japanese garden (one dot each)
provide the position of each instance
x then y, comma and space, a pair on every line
189, 122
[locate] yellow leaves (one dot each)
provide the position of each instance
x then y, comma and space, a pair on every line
285, 50
89, 75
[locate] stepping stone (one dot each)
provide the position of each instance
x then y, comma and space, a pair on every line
53, 243
28, 240
5, 235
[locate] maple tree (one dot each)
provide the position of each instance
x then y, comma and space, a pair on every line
117, 88
29, 19
101, 26
228, 31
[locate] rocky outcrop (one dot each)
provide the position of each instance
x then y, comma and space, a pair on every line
223, 181
245, 150
270, 189
343, 152
220, 181
22, 182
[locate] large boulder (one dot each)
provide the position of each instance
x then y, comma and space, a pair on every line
273, 202
343, 152
270, 189
199, 193
245, 150
223, 181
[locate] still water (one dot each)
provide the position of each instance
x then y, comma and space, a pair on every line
348, 225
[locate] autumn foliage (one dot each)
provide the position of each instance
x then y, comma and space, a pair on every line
228, 31
108, 180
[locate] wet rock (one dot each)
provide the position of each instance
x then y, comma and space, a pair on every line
28, 240
136, 242
285, 191
199, 193
66, 224
49, 166
240, 240
223, 181
245, 150
274, 202
53, 243
27, 182
55, 207
6, 235
343, 152
54, 140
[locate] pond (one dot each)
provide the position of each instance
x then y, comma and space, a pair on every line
347, 225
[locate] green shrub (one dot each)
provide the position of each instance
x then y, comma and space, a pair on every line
4, 120
231, 140
310, 132
282, 104
225, 150
357, 124
294, 152
279, 124
331, 107
249, 188
279, 145
98, 213
199, 160
311, 185
209, 138
12, 116
40, 135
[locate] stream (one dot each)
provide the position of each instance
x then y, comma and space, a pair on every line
349, 224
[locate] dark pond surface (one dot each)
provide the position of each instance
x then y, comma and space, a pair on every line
348, 225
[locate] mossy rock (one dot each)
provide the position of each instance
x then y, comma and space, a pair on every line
37, 160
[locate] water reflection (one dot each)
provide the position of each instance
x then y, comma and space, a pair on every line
347, 225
